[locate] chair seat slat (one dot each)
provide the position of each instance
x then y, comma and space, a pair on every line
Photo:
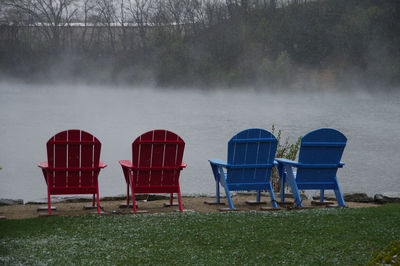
73, 168
318, 166
158, 168
77, 142
253, 140
73, 187
324, 144
151, 142
250, 165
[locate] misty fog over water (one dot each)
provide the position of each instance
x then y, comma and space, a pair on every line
206, 120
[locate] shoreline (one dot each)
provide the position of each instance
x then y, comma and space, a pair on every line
155, 204
384, 197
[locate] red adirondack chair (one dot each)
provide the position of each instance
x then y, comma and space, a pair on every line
155, 166
73, 165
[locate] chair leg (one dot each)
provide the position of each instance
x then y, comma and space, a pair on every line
217, 192
272, 195
321, 195
216, 173
171, 199
127, 173
48, 193
339, 195
259, 196
221, 178
132, 191
292, 182
98, 199
93, 201
228, 197
49, 200
133, 198
127, 195
179, 199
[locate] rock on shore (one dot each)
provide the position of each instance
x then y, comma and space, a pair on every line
4, 202
387, 197
349, 196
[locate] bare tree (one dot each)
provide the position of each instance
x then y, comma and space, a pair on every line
107, 16
215, 11
193, 14
47, 15
140, 11
122, 20
176, 10
87, 9
159, 16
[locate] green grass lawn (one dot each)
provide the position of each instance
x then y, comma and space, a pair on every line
316, 236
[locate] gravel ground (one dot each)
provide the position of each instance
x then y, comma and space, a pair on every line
112, 207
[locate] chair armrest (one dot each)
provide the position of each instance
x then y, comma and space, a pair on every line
218, 162
287, 162
297, 164
43, 165
102, 164
183, 165
126, 163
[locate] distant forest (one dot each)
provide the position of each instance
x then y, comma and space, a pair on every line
202, 43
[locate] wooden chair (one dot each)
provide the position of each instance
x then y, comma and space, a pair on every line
156, 165
251, 155
319, 159
73, 165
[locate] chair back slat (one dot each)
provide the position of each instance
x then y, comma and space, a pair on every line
74, 158
90, 157
320, 151
172, 158
157, 156
143, 157
251, 153
60, 160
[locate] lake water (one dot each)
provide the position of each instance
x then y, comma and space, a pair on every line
206, 120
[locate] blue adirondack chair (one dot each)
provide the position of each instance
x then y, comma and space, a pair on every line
251, 155
319, 159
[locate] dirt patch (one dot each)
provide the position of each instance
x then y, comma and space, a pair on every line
112, 207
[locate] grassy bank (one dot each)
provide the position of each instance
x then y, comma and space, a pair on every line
333, 236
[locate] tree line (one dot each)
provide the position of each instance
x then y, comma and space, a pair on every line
202, 42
